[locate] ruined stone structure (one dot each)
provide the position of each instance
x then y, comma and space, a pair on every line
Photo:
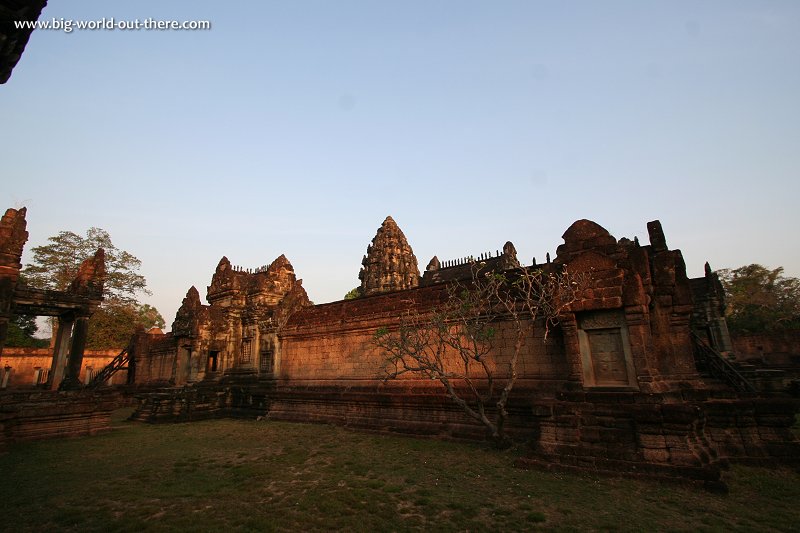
235, 334
72, 307
708, 317
614, 388
25, 414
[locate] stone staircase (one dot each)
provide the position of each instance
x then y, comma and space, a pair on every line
742, 377
712, 364
120, 362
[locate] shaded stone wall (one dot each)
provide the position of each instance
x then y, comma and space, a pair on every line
33, 415
779, 349
683, 435
154, 358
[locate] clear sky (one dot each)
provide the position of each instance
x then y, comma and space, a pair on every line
296, 126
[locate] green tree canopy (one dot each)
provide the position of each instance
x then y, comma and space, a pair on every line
113, 324
352, 294
759, 299
149, 317
21, 331
56, 264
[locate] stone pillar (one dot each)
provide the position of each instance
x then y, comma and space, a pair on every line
182, 364
6, 377
63, 334
572, 350
79, 334
3, 333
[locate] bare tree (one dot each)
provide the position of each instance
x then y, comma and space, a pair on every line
453, 342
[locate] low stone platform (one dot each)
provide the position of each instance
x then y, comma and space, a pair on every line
203, 401
41, 414
690, 435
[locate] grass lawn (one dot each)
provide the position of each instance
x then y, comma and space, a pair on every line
246, 475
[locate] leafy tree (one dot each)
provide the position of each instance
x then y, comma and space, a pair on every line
352, 294
149, 317
760, 300
56, 264
454, 343
21, 331
113, 324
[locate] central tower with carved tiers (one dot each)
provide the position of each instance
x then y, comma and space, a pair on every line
390, 264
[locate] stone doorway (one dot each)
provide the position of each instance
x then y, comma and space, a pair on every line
605, 350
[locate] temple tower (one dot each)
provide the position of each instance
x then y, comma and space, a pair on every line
390, 263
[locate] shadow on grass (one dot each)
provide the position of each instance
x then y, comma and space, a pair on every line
248, 475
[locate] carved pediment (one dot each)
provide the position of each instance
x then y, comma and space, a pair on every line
591, 261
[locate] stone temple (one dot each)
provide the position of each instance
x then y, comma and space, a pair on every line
633, 379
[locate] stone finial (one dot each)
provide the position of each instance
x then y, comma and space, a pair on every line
390, 263
280, 265
224, 264
708, 270
433, 264
192, 297
189, 315
509, 250
657, 239
508, 259
91, 276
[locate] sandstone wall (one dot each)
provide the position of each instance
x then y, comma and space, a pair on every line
336, 342
780, 348
23, 365
154, 358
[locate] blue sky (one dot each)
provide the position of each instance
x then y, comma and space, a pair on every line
296, 127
